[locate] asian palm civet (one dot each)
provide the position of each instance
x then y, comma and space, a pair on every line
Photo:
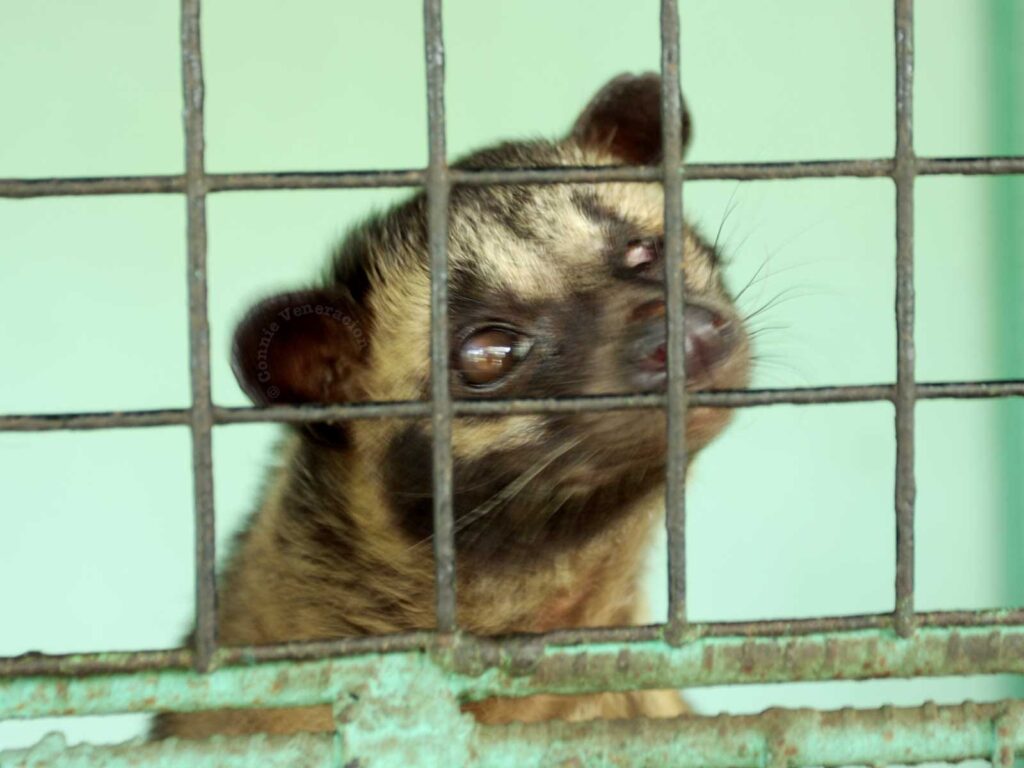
554, 290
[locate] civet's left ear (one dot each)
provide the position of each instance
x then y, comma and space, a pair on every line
624, 120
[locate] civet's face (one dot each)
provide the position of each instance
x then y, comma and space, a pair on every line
556, 290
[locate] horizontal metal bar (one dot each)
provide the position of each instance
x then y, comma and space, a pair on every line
266, 751
968, 390
104, 185
49, 422
565, 638
76, 664
258, 181
420, 641
905, 735
479, 669
304, 414
130, 661
969, 166
252, 182
734, 660
774, 738
1000, 617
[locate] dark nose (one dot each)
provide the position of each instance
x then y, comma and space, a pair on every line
711, 336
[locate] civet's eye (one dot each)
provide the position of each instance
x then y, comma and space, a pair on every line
641, 253
490, 354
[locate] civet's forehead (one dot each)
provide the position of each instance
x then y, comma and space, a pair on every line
533, 242
543, 242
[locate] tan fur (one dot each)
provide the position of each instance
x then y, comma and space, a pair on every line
280, 587
268, 598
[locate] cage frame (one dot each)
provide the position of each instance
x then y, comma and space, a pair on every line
458, 666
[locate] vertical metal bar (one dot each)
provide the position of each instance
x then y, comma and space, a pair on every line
906, 388
672, 156
437, 186
201, 412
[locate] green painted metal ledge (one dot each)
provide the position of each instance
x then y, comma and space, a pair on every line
470, 672
774, 738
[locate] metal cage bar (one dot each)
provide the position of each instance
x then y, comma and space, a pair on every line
779, 737
675, 297
490, 652
258, 181
437, 190
300, 414
201, 412
480, 670
901, 642
903, 175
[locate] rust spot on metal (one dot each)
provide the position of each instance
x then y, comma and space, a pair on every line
954, 648
746, 657
980, 651
1013, 647
804, 657
831, 653
525, 660
580, 664
280, 682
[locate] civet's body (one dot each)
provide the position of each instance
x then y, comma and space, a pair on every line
555, 290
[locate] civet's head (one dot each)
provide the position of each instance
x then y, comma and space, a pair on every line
555, 290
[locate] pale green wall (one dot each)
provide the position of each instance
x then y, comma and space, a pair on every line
790, 513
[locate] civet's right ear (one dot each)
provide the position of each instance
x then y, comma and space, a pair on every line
300, 347
624, 120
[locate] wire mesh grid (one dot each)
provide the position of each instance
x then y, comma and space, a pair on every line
1001, 630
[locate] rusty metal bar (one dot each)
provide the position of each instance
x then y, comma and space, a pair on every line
903, 175
37, 664
267, 751
520, 669
74, 187
437, 189
82, 664
54, 422
302, 414
238, 182
900, 643
474, 671
777, 737
675, 298
257, 181
969, 166
903, 736
201, 411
